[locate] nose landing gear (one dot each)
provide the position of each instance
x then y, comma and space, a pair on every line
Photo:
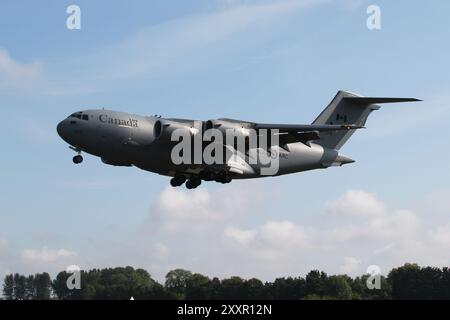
77, 159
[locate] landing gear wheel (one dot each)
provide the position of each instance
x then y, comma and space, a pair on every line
177, 181
77, 159
174, 182
193, 183
197, 182
190, 185
223, 178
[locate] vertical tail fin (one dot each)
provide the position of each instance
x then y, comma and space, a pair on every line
348, 108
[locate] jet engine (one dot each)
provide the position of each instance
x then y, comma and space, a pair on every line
236, 127
164, 128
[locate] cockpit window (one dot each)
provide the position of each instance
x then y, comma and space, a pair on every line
76, 115
79, 115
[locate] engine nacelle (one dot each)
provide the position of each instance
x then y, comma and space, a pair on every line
157, 129
165, 128
236, 127
146, 133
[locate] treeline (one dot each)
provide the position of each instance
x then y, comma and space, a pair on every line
407, 282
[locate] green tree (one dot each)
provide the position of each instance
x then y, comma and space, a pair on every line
176, 282
232, 288
254, 289
445, 280
110, 283
8, 287
43, 286
431, 283
287, 288
215, 288
157, 292
30, 288
413, 282
338, 287
198, 287
312, 297
60, 288
405, 282
360, 291
19, 287
316, 283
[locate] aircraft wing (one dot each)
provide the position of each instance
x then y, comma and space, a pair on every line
295, 127
292, 137
306, 127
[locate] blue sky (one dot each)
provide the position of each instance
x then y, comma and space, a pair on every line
268, 61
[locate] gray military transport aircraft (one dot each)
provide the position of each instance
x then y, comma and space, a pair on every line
123, 139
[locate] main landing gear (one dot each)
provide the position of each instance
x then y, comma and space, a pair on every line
194, 181
177, 181
223, 178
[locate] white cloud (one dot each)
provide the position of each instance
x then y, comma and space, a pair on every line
351, 266
226, 231
17, 74
31, 260
3, 243
239, 235
357, 203
162, 252
215, 232
282, 234
357, 228
178, 210
441, 235
45, 255
272, 242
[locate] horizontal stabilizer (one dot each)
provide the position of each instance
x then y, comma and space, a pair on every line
374, 100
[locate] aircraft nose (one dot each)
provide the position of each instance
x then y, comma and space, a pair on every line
60, 128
